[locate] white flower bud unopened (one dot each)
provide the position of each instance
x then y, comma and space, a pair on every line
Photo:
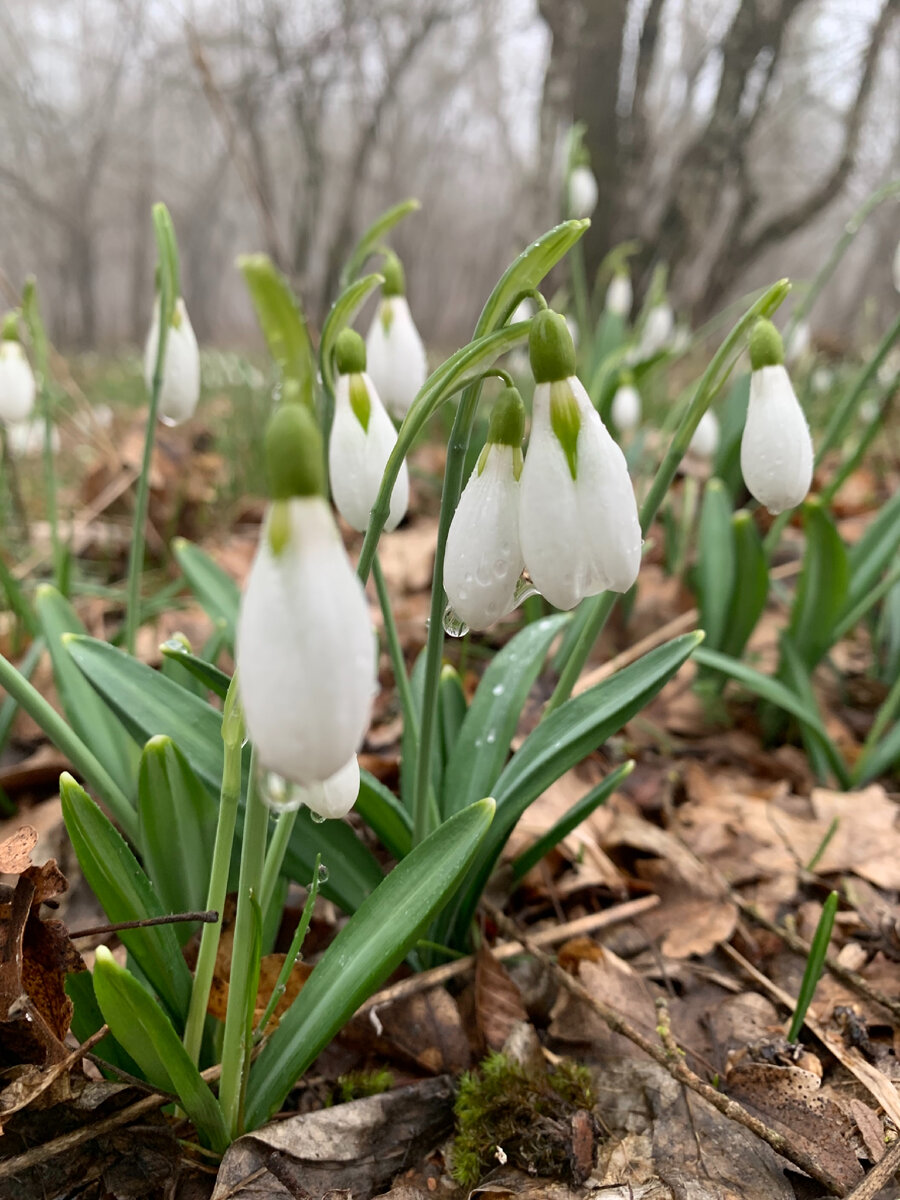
657, 332
483, 559
626, 408
583, 192
358, 453
305, 646
17, 387
395, 355
776, 448
180, 388
619, 295
705, 441
580, 535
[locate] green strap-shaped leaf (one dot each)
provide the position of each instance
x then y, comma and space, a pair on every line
824, 757
85, 711
452, 708
177, 818
204, 672
147, 704
125, 892
369, 241
748, 597
715, 571
87, 1019
384, 814
482, 745
217, 592
143, 1029
875, 550
822, 586
372, 943
283, 325
561, 740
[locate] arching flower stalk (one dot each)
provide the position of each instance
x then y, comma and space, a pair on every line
362, 438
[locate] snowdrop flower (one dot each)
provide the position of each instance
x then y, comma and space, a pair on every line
17, 387
362, 438
658, 327
305, 648
619, 294
799, 342
626, 407
483, 559
180, 388
583, 191
395, 353
705, 441
776, 448
578, 521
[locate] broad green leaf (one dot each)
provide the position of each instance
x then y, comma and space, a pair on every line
715, 571
87, 1019
452, 708
527, 272
372, 943
384, 814
126, 894
16, 600
177, 819
482, 745
560, 741
579, 812
26, 668
85, 711
148, 704
339, 317
822, 586
283, 325
143, 1029
368, 243
204, 672
875, 550
823, 757
748, 598
217, 592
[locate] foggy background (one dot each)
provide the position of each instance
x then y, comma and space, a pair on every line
732, 137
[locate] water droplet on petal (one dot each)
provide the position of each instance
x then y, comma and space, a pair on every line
454, 626
171, 422
278, 793
174, 644
323, 873
318, 818
525, 589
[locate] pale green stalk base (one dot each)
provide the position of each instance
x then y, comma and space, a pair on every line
293, 953
229, 798
236, 1043
395, 650
284, 827
50, 492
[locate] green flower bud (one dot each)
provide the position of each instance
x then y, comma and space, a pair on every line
350, 352
394, 278
550, 348
294, 458
766, 346
507, 427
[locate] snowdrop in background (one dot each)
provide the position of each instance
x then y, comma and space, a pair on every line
17, 386
394, 349
180, 390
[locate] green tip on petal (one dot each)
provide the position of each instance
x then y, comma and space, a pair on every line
350, 352
360, 400
550, 348
507, 427
394, 277
10, 329
766, 346
565, 421
294, 459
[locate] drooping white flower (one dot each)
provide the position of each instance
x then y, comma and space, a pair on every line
483, 558
394, 349
305, 647
17, 387
362, 438
705, 441
657, 332
619, 294
776, 447
26, 438
626, 408
799, 342
332, 798
578, 521
180, 389
583, 191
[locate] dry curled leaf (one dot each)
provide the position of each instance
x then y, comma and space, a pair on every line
15, 851
498, 1002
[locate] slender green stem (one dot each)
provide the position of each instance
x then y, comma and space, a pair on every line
229, 797
815, 962
689, 498
869, 434
10, 705
716, 374
293, 951
50, 486
142, 499
395, 650
856, 614
883, 718
278, 844
65, 739
236, 1042
11, 470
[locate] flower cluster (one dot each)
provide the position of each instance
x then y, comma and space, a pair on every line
567, 513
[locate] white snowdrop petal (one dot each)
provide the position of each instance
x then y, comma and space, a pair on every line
657, 332
626, 408
357, 458
180, 390
776, 447
583, 192
483, 559
17, 386
705, 441
305, 650
619, 295
395, 355
335, 796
